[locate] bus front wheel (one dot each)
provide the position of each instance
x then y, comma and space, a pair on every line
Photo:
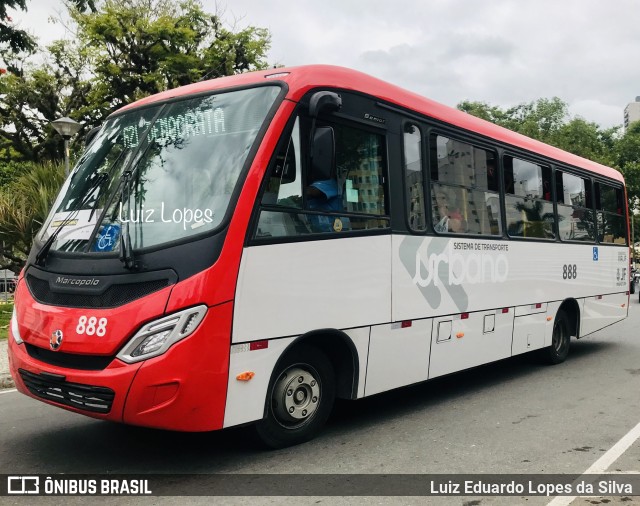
300, 398
560, 339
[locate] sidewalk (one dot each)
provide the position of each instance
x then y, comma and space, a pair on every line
5, 378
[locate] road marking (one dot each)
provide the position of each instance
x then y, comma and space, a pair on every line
8, 391
603, 463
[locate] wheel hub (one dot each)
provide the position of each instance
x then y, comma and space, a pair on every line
296, 395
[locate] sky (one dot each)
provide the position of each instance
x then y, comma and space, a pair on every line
503, 52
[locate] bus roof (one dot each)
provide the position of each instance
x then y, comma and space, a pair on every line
302, 79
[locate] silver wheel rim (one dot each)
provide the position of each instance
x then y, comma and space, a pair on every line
296, 396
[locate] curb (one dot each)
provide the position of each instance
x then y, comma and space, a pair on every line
6, 382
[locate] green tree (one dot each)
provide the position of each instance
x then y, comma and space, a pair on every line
24, 205
142, 47
548, 120
123, 50
627, 159
12, 40
588, 140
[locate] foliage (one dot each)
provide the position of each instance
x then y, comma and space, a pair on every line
5, 317
24, 205
13, 40
170, 45
548, 120
123, 50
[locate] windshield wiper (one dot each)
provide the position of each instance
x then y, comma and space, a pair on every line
126, 250
46, 247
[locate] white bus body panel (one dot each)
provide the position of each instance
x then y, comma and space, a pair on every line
289, 289
246, 399
529, 332
602, 311
435, 276
398, 355
464, 302
459, 343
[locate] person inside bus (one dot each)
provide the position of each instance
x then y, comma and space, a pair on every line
323, 195
447, 218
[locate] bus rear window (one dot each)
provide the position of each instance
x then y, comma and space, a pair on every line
610, 212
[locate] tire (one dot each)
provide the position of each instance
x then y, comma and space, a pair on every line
560, 340
299, 399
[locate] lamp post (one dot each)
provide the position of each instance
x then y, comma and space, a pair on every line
67, 128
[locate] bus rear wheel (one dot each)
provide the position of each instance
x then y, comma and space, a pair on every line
300, 398
560, 339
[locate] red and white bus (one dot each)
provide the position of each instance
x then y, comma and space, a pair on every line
247, 249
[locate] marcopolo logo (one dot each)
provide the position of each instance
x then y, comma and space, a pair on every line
453, 268
61, 280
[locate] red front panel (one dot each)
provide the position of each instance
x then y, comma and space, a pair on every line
183, 389
39, 321
186, 388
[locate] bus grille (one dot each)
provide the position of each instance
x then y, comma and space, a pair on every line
69, 360
115, 295
85, 397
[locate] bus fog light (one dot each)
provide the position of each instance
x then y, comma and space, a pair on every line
156, 337
15, 331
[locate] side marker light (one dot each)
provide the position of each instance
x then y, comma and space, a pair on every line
245, 376
460, 334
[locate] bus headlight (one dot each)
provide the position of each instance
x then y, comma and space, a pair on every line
158, 336
15, 331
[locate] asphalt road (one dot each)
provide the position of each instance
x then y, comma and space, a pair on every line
516, 416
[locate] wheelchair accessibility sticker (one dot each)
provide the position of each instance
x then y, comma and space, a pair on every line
107, 238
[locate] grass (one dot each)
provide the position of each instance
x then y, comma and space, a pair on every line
5, 317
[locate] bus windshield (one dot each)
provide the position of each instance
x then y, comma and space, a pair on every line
159, 174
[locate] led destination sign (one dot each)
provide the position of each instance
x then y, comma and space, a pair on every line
178, 127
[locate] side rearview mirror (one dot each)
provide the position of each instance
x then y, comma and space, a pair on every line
324, 100
323, 154
322, 139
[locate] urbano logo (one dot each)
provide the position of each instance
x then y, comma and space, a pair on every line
471, 268
21, 485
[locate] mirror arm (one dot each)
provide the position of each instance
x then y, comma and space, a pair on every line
322, 100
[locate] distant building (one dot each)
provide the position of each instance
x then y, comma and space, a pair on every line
632, 113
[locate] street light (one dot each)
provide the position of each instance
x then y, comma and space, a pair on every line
67, 128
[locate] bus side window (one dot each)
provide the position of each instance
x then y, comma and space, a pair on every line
576, 221
528, 199
465, 196
611, 221
344, 195
414, 185
283, 192
284, 187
